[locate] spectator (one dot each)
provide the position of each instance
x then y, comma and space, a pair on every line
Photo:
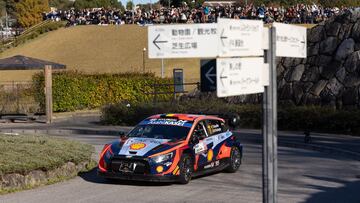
300, 13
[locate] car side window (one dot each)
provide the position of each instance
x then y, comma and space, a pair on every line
214, 127
200, 130
224, 127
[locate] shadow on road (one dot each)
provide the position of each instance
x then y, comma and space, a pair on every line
349, 192
92, 176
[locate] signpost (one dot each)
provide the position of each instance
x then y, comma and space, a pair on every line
240, 75
290, 40
237, 76
182, 41
208, 75
240, 37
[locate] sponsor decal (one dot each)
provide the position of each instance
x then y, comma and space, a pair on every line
166, 121
159, 169
212, 165
137, 146
200, 148
210, 155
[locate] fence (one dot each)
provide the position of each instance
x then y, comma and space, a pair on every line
18, 98
175, 93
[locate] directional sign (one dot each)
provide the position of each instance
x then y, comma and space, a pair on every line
208, 75
290, 40
240, 37
237, 76
182, 41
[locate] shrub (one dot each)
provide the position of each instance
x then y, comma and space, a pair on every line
74, 90
299, 118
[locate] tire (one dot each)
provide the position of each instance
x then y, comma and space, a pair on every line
186, 169
235, 160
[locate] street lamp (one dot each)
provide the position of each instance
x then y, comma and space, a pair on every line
144, 50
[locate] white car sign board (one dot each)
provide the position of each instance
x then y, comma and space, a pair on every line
182, 41
291, 40
240, 37
237, 76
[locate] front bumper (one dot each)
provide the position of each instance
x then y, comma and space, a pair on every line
137, 177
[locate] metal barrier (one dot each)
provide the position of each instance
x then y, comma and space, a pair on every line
156, 91
18, 98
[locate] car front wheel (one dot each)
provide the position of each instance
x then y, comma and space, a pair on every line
186, 169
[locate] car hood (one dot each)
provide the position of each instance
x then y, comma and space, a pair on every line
136, 146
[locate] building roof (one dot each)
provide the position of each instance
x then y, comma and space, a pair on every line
20, 62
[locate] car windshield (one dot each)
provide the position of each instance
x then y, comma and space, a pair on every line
170, 132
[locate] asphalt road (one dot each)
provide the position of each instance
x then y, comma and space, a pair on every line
304, 176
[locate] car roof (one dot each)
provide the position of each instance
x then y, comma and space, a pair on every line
186, 117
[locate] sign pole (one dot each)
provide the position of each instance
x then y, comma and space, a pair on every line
162, 68
270, 126
273, 76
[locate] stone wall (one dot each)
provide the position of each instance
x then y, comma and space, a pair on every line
16, 181
330, 75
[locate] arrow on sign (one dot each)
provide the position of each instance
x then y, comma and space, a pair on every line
155, 42
208, 75
222, 37
222, 77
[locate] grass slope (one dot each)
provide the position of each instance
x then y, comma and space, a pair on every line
23, 153
97, 49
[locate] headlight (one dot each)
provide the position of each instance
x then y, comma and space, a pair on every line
163, 157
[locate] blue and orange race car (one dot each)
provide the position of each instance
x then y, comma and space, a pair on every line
172, 148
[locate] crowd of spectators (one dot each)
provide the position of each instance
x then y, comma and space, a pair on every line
206, 14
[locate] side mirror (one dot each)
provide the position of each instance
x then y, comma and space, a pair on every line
234, 121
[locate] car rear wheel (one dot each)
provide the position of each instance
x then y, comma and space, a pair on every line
235, 160
186, 169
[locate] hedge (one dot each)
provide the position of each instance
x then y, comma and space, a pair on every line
74, 90
303, 118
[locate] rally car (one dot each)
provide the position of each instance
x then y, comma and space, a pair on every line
172, 148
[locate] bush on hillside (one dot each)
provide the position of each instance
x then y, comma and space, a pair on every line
74, 90
299, 118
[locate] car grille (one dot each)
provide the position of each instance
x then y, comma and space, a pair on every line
124, 165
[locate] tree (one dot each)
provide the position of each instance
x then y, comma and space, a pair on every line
29, 12
61, 4
129, 5
2, 8
82, 4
